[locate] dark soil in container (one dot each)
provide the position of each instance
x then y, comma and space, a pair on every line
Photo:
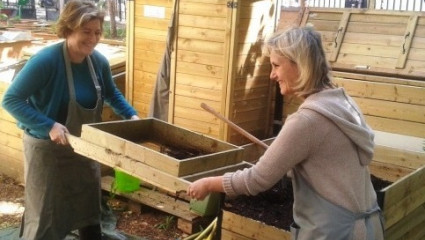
274, 207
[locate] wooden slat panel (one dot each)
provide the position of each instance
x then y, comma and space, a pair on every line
404, 196
388, 172
202, 9
200, 69
393, 110
217, 23
404, 228
397, 156
150, 34
198, 126
11, 141
195, 103
201, 34
342, 28
211, 83
251, 228
408, 36
321, 25
151, 45
378, 39
165, 3
255, 93
200, 58
151, 23
396, 126
200, 46
195, 115
383, 91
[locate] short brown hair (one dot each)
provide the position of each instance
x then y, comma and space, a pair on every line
75, 14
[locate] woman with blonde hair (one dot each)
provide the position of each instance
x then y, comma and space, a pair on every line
326, 146
60, 88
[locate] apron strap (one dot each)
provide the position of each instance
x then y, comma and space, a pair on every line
70, 78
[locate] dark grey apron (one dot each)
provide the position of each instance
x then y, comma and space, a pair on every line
319, 219
62, 191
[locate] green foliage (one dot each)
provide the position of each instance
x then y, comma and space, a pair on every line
121, 33
168, 221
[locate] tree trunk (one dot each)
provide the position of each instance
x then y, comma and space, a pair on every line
112, 13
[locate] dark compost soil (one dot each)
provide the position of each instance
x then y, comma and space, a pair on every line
274, 207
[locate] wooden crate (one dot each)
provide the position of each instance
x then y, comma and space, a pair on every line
144, 141
217, 59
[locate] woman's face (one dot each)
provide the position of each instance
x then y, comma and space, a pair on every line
83, 40
284, 72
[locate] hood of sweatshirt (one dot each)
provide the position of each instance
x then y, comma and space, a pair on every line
341, 109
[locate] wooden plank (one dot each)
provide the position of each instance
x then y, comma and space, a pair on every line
201, 34
209, 129
211, 83
403, 228
202, 9
229, 235
200, 46
124, 137
396, 126
155, 199
399, 156
369, 50
200, 69
195, 114
400, 141
378, 78
195, 92
404, 196
207, 22
200, 58
11, 141
408, 36
130, 166
12, 163
251, 228
388, 172
339, 36
195, 103
383, 91
373, 39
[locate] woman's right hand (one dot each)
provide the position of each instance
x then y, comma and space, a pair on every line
57, 134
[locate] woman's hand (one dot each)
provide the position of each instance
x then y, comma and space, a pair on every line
204, 186
57, 134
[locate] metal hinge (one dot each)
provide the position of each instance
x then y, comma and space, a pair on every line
231, 4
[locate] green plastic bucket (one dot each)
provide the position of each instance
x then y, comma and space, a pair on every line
206, 207
125, 182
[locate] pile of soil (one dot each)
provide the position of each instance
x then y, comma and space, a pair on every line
274, 207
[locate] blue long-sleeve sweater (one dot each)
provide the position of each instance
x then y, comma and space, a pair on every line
38, 96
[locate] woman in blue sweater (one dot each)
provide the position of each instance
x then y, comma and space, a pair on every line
60, 88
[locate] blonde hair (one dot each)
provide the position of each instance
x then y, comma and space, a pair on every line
303, 46
75, 14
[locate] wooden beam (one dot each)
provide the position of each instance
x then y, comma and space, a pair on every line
408, 38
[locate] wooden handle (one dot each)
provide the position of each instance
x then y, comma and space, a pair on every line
234, 126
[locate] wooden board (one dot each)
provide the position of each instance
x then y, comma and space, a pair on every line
125, 138
237, 227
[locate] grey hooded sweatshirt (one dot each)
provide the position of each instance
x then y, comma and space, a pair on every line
328, 143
